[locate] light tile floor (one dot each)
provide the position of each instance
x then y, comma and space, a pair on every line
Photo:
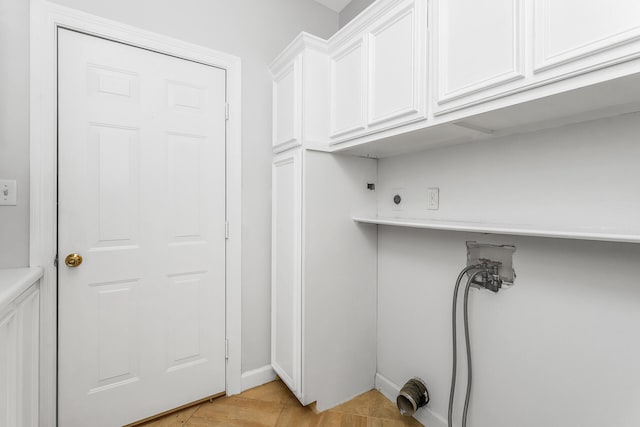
273, 405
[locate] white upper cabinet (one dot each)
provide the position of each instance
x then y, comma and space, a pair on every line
378, 70
286, 106
300, 94
513, 51
348, 89
397, 72
406, 75
479, 48
571, 30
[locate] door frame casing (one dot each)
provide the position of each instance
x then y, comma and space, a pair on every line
45, 19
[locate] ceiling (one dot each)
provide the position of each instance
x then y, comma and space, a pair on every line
336, 5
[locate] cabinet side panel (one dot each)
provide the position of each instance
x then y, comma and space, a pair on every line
285, 298
339, 279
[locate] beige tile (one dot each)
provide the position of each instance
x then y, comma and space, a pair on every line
236, 411
370, 404
209, 422
176, 419
384, 422
298, 417
274, 391
381, 407
359, 405
336, 419
274, 405
305, 417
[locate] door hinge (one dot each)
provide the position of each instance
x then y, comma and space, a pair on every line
226, 229
226, 111
55, 261
226, 349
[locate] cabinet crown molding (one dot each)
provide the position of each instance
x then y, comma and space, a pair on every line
302, 42
360, 23
305, 40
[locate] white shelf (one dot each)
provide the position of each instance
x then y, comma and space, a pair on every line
516, 230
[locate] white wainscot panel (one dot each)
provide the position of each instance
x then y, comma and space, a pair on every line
8, 371
29, 359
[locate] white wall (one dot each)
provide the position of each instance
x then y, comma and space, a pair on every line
352, 10
560, 348
14, 129
256, 31
581, 176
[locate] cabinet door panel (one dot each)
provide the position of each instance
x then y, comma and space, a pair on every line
479, 46
569, 30
393, 67
286, 108
286, 269
348, 90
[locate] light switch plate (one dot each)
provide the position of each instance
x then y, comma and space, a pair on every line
433, 198
7, 192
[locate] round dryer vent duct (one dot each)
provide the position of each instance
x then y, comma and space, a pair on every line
412, 396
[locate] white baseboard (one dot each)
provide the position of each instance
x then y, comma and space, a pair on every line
256, 377
425, 415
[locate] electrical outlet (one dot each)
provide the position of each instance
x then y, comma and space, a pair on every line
433, 199
7, 192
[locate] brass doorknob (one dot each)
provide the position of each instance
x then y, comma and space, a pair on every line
73, 260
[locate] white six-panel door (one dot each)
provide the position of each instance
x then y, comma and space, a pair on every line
141, 193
